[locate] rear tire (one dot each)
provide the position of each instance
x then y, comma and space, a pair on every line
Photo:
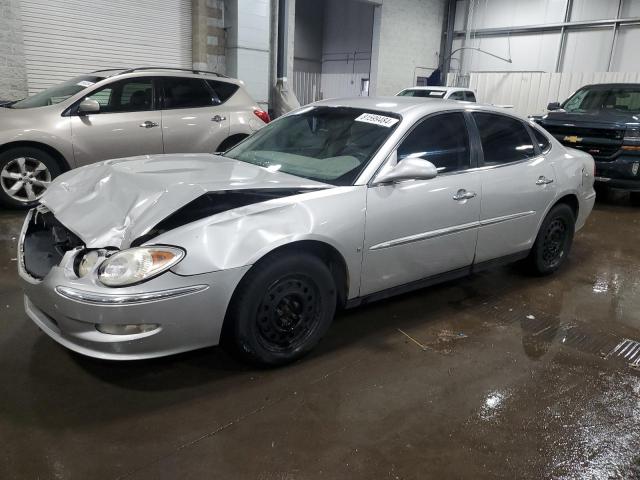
25, 174
635, 198
281, 309
553, 242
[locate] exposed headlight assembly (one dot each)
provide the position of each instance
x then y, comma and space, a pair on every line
137, 265
631, 141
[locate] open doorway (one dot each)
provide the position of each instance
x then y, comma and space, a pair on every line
332, 49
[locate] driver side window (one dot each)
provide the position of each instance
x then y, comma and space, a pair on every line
441, 139
129, 95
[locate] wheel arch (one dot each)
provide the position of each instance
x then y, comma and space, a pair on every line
231, 141
570, 199
57, 156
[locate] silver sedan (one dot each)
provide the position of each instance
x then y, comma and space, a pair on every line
334, 205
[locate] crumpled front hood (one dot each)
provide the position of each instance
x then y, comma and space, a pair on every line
110, 204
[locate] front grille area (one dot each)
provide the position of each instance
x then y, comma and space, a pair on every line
601, 143
45, 243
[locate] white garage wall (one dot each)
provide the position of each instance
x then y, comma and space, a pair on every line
64, 38
499, 13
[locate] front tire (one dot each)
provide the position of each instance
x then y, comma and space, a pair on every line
25, 174
635, 198
282, 308
553, 242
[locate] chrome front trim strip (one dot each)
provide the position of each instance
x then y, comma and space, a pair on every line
126, 298
425, 236
449, 230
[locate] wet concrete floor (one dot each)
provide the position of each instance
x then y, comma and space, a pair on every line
496, 376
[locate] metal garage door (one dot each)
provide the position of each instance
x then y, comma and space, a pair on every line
64, 38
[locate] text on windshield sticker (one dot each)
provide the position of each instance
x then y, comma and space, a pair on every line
84, 83
377, 119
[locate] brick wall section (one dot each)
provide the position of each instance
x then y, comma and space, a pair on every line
409, 36
208, 35
13, 76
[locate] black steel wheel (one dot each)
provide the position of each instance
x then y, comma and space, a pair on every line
282, 308
553, 242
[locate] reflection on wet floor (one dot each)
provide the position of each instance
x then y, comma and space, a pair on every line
499, 375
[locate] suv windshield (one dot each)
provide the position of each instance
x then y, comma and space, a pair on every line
327, 144
422, 93
620, 98
57, 93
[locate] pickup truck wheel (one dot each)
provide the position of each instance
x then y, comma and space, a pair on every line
282, 309
635, 199
25, 174
553, 242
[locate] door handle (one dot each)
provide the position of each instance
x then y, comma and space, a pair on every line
462, 194
148, 124
542, 180
218, 119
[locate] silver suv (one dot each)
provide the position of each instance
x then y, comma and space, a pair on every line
118, 113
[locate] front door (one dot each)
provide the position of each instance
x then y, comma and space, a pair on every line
128, 123
417, 229
193, 121
518, 184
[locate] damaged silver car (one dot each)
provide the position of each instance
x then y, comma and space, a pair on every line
334, 205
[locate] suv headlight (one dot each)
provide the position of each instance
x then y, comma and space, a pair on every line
137, 265
631, 140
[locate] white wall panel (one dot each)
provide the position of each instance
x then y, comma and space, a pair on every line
65, 38
587, 50
529, 92
500, 13
628, 41
630, 8
593, 9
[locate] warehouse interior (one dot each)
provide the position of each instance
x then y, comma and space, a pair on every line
480, 370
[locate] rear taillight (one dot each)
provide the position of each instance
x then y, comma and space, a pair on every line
262, 115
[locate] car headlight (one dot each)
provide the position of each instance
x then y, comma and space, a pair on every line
137, 265
88, 262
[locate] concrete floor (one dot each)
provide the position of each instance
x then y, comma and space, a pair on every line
496, 376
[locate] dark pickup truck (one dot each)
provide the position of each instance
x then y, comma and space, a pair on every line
604, 121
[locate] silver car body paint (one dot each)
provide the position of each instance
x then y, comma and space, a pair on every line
413, 230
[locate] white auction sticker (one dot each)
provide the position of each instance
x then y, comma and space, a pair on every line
436, 94
377, 119
84, 83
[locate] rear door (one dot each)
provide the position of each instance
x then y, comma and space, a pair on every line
518, 184
193, 119
421, 228
128, 122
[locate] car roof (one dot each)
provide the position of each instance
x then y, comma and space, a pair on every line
409, 106
169, 71
611, 85
439, 89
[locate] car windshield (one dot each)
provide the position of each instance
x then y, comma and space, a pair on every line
423, 92
623, 99
327, 144
57, 93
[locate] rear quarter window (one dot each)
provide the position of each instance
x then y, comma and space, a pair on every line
223, 90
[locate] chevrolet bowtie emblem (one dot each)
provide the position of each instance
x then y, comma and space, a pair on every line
572, 139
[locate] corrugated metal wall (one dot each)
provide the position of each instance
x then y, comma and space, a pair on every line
65, 38
530, 92
306, 86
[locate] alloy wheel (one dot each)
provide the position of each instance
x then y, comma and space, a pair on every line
25, 179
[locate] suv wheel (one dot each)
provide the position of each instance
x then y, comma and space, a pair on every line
282, 308
553, 242
25, 174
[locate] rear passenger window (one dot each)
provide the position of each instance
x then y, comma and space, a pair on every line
222, 90
543, 141
456, 96
470, 96
441, 139
180, 92
504, 139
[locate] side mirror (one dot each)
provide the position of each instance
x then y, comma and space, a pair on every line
88, 106
408, 169
554, 106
